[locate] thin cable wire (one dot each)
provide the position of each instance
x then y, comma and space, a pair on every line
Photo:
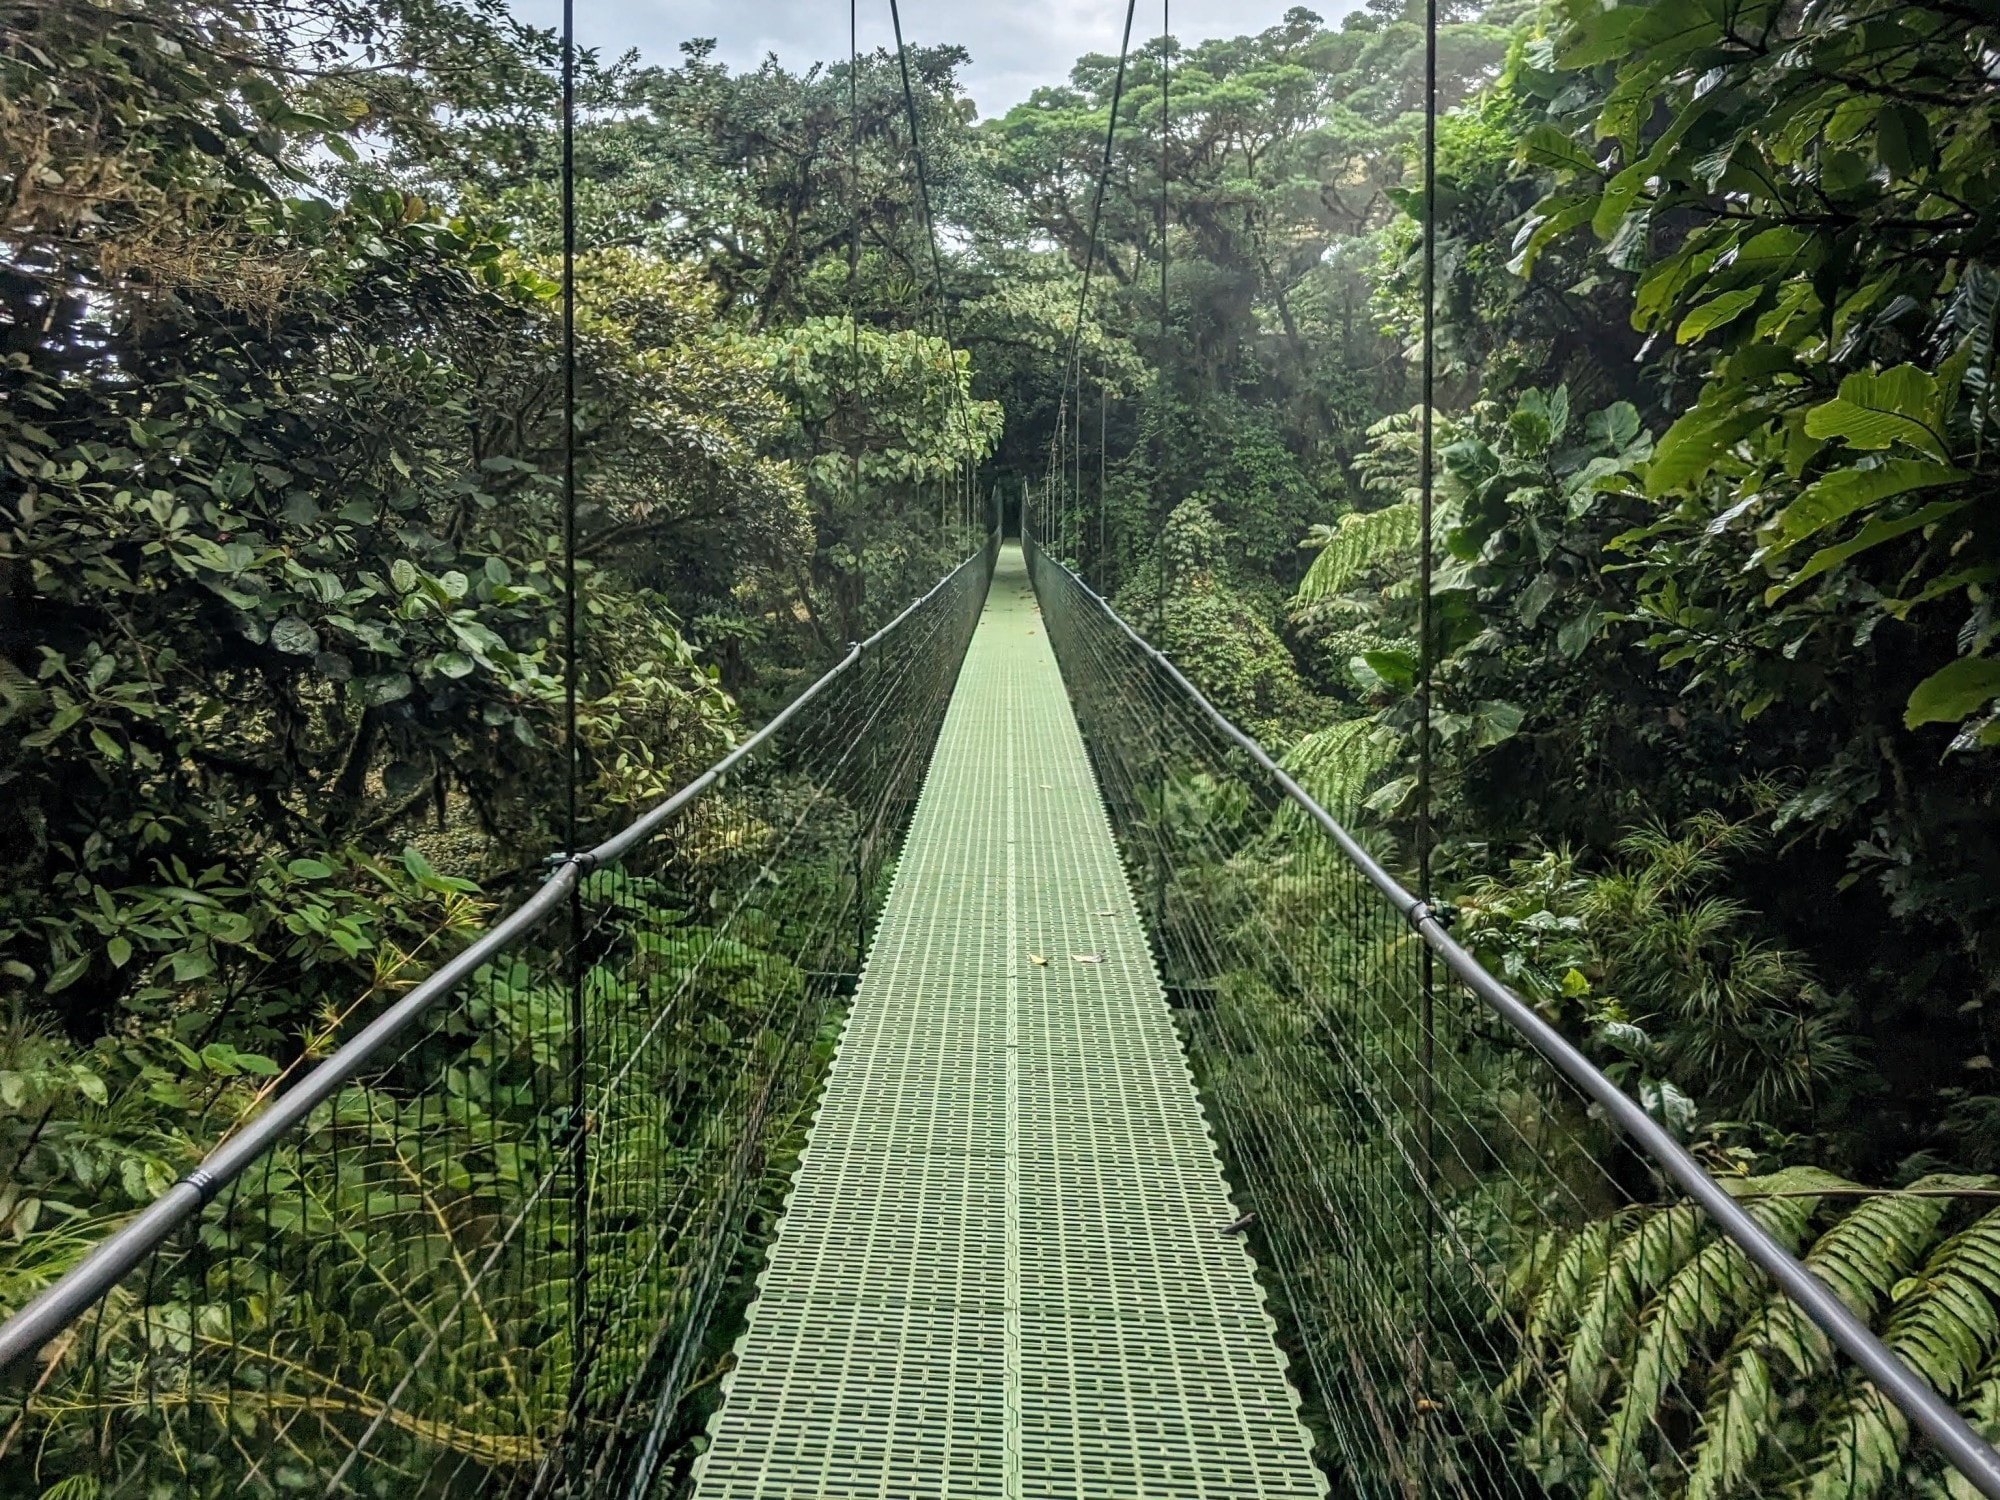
930, 231
1072, 359
1166, 394
1426, 673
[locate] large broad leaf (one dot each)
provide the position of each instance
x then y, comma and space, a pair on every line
1601, 36
1878, 410
1557, 217
1693, 443
1716, 313
1549, 146
1872, 535
1954, 692
294, 636
1843, 492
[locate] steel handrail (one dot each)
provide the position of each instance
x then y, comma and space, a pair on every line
1912, 1395
119, 1253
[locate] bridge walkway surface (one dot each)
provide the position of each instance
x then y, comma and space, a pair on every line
1001, 1270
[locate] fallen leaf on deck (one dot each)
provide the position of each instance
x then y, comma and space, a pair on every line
1036, 958
1088, 958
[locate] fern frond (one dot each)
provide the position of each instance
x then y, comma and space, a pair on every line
1708, 1295
1581, 1267
1983, 1408
1864, 1453
1335, 763
1863, 1258
1947, 1322
1357, 542
1736, 1422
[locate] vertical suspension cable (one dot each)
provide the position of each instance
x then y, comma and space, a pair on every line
854, 376
572, 752
1160, 853
930, 230
1165, 395
854, 259
1426, 668
1103, 421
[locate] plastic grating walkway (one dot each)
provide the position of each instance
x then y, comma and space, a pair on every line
1001, 1271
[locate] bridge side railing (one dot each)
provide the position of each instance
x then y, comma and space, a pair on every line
491, 1244
1496, 1272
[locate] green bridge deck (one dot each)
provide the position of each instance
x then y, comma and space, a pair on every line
1001, 1271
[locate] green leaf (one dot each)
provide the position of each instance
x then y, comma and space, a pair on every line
1954, 692
1841, 493
310, 869
1494, 721
1903, 139
294, 637
1694, 442
403, 574
119, 950
67, 974
1557, 218
1550, 146
1575, 636
1876, 411
1714, 314
1602, 36
1396, 668
1872, 535
402, 777
385, 687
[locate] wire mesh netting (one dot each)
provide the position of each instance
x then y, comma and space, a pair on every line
507, 1254
1485, 1288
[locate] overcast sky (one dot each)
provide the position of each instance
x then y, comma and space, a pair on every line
1016, 45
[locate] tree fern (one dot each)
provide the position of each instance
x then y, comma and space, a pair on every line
1635, 1321
1335, 763
1706, 1296
1946, 1326
1357, 542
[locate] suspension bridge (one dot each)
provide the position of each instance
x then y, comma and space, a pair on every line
996, 1077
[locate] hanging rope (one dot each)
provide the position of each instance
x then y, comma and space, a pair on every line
1165, 413
930, 231
1073, 359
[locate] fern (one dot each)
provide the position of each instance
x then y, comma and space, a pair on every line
1708, 1295
1637, 1320
1946, 1327
1983, 1408
1975, 313
1639, 1266
1357, 542
1335, 763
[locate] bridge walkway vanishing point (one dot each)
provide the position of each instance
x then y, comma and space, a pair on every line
1002, 1270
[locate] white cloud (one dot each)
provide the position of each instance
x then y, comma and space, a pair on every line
1016, 45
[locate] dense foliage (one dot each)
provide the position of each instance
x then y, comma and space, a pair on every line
1718, 696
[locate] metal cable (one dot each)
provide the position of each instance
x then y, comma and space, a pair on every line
1296, 958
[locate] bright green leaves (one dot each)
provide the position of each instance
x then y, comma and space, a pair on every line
1879, 410
1955, 692
1839, 494
1694, 443
1716, 313
1358, 542
1554, 218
